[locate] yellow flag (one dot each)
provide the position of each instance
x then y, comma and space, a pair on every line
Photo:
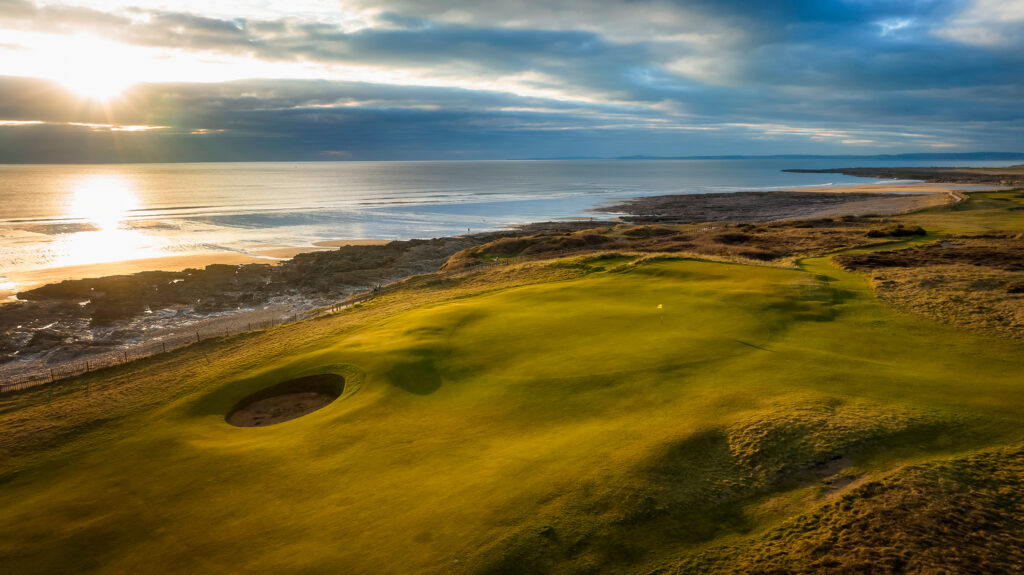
659, 306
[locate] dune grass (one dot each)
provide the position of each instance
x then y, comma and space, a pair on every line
561, 423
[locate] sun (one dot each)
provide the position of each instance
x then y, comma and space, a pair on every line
95, 69
96, 88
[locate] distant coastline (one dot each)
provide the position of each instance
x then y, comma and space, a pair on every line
915, 156
950, 156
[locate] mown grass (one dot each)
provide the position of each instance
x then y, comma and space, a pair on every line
545, 417
983, 212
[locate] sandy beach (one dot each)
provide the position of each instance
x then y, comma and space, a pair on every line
884, 189
802, 203
892, 198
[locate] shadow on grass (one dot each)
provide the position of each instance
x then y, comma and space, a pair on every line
417, 377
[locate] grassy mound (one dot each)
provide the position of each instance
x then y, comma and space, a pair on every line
718, 481
962, 515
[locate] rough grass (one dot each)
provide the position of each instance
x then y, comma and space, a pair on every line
969, 280
780, 242
897, 231
961, 515
982, 299
983, 212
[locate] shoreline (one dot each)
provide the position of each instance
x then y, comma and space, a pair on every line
928, 194
1011, 176
270, 254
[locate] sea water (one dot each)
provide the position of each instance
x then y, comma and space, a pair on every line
59, 215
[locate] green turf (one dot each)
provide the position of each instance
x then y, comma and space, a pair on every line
983, 212
562, 426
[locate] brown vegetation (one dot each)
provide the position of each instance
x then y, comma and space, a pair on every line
897, 231
765, 242
971, 281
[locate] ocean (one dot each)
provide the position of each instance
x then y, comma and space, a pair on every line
72, 215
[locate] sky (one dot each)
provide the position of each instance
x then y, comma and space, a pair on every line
233, 80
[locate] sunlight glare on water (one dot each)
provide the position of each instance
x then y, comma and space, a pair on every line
105, 203
103, 200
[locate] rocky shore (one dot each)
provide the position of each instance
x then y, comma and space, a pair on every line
75, 318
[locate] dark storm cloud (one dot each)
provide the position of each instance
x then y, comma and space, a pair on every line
695, 76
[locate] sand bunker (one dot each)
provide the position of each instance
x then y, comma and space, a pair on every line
287, 400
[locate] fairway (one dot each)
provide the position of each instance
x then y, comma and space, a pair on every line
547, 427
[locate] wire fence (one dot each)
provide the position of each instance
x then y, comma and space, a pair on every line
21, 375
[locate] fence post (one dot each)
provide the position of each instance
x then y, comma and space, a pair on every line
197, 336
125, 352
164, 344
52, 379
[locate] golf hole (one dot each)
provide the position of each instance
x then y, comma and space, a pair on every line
286, 400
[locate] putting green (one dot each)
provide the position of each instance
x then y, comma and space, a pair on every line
548, 427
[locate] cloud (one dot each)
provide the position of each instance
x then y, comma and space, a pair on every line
289, 120
988, 23
417, 79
